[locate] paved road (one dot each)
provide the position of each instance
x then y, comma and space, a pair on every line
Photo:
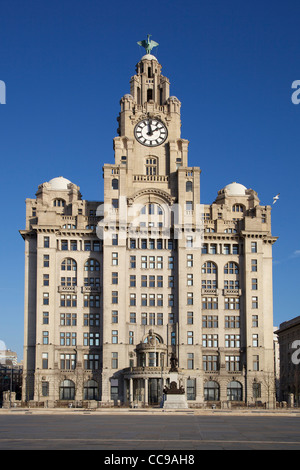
149, 432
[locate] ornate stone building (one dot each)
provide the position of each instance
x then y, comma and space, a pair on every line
114, 288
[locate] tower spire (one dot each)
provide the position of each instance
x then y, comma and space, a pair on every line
148, 44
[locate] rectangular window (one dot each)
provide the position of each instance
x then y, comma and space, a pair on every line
73, 245
190, 298
132, 281
114, 278
46, 242
114, 316
232, 341
171, 262
254, 265
64, 245
232, 363
45, 318
115, 239
152, 281
256, 363
254, 284
46, 261
160, 301
235, 249
210, 303
190, 361
210, 341
210, 363
45, 360
190, 318
96, 246
255, 341
115, 260
190, 337
46, 298
144, 281
132, 317
253, 247
232, 322
232, 303
114, 360
45, 389
191, 389
132, 262
46, 279
131, 337
45, 337
132, 300
114, 336
254, 302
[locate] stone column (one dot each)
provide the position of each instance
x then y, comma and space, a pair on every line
146, 391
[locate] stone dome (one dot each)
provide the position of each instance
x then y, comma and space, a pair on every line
59, 184
149, 57
235, 189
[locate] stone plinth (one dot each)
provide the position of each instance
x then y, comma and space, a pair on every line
173, 401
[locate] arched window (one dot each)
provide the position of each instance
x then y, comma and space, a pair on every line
59, 203
231, 268
151, 166
149, 94
211, 391
210, 276
234, 391
209, 268
189, 186
67, 390
92, 265
68, 264
151, 215
238, 208
115, 184
91, 391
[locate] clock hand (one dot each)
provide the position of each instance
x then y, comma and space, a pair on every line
151, 131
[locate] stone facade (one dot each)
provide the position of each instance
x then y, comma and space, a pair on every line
114, 288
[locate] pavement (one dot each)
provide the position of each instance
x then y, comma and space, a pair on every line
151, 411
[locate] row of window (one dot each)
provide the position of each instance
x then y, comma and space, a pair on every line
152, 318
75, 245
67, 389
210, 363
149, 300
149, 262
93, 339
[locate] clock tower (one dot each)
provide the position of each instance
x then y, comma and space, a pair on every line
150, 195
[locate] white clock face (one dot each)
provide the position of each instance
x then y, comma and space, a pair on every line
150, 132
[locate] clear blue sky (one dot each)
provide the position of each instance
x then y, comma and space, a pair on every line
66, 64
